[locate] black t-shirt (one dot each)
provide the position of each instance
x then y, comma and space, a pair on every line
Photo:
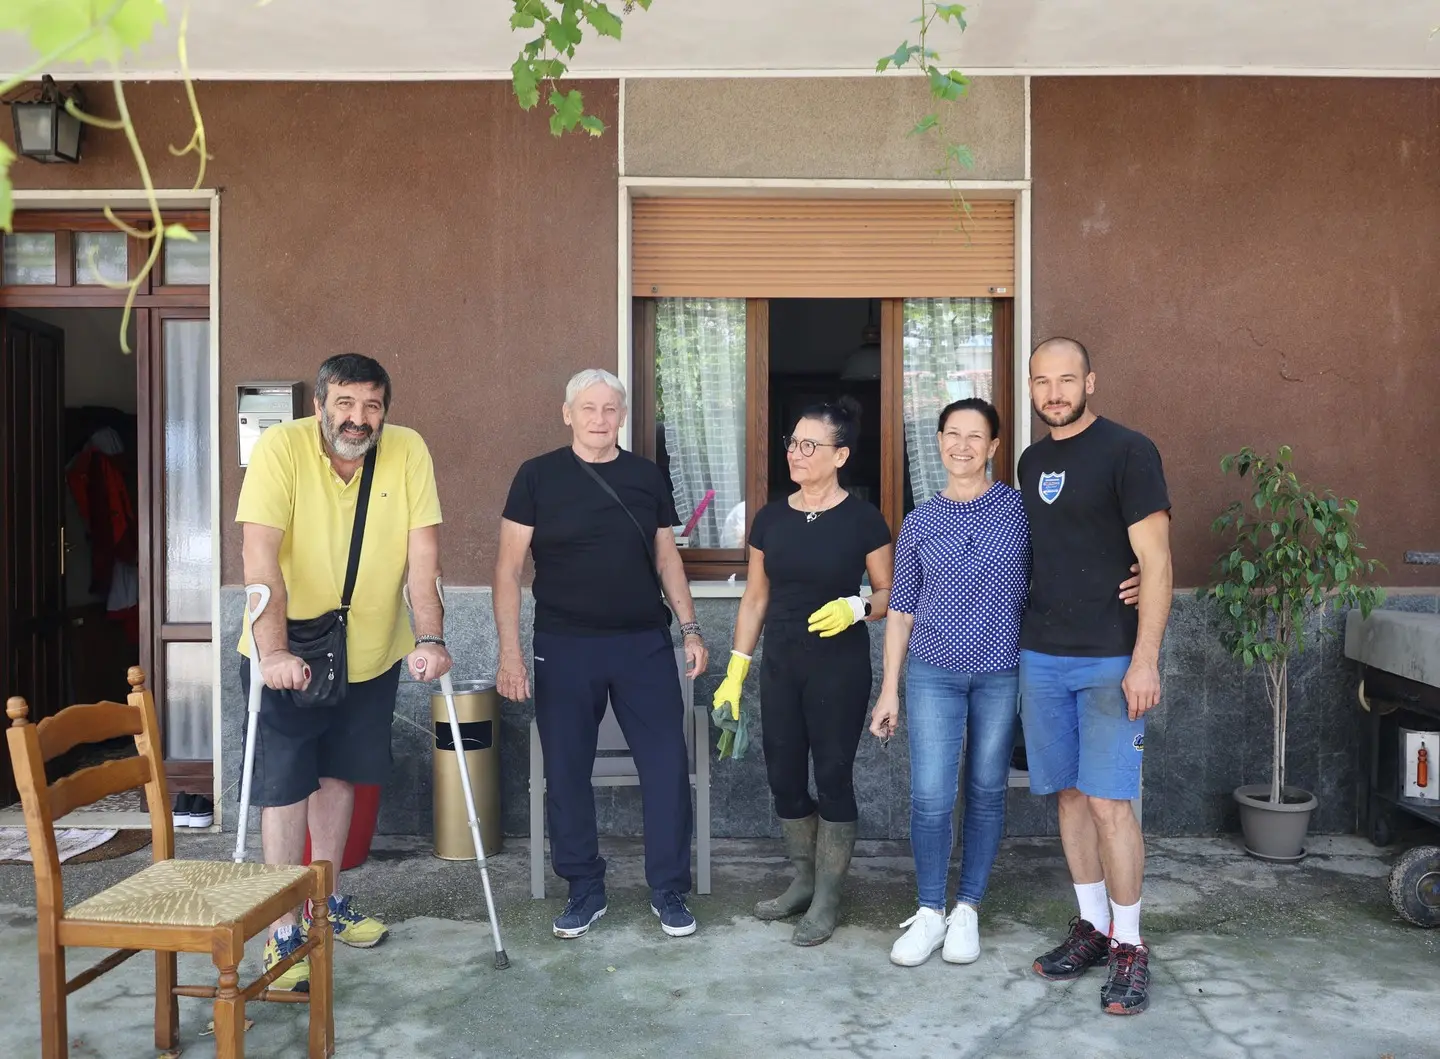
811, 563
592, 573
1081, 497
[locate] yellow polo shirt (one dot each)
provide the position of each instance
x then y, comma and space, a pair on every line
291, 486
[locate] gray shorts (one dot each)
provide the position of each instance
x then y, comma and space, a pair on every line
295, 746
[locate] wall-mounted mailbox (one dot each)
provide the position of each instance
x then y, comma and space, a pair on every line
261, 405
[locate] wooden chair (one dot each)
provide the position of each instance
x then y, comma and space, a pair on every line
173, 906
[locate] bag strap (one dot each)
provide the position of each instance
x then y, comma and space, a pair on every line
645, 538
357, 535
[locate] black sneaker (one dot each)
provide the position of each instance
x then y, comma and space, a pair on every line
202, 811
1127, 990
675, 918
180, 815
1083, 948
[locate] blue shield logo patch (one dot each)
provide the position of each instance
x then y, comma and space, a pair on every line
1050, 485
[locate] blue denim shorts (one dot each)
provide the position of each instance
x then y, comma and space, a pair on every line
1078, 731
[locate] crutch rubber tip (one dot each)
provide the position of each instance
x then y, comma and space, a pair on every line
501, 960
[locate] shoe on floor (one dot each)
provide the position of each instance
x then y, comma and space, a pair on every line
202, 811
926, 934
297, 978
352, 927
1083, 948
1127, 989
180, 815
580, 914
962, 938
675, 917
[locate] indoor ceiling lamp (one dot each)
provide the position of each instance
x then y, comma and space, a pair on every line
44, 129
864, 362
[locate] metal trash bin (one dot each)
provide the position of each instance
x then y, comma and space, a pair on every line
477, 708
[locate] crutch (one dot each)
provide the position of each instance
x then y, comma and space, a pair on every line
252, 721
447, 688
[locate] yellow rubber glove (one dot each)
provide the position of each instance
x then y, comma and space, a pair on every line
837, 616
728, 693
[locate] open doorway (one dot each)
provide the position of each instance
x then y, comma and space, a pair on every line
822, 349
107, 533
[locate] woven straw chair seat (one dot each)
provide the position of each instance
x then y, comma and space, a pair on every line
187, 893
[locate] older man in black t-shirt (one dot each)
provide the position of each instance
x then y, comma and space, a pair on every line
598, 521
1096, 501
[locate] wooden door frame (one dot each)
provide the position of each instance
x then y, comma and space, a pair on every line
46, 211
186, 777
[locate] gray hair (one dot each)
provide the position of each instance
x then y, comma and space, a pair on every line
583, 380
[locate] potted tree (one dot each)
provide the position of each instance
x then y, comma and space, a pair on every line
1292, 553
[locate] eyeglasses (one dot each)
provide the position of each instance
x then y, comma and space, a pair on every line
805, 445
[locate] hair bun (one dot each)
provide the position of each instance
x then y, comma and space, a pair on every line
849, 407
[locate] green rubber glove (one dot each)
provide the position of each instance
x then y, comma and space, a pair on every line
838, 615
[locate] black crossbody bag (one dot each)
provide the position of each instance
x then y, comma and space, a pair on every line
645, 538
320, 642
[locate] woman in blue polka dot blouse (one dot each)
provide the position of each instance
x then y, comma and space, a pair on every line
962, 577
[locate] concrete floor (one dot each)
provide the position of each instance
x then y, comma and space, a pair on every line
1249, 960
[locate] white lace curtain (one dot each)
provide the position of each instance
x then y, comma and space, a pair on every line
947, 346
700, 408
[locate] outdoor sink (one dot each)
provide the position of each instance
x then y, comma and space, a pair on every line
1407, 645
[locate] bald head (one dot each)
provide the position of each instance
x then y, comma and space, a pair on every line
1063, 345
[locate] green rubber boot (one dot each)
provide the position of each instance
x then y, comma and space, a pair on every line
833, 847
800, 848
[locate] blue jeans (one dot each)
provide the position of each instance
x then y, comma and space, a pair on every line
949, 712
1078, 732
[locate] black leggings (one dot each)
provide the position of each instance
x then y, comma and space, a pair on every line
814, 694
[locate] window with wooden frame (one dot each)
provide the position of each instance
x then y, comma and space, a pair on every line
748, 310
78, 260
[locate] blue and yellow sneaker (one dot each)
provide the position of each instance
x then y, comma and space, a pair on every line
352, 927
297, 978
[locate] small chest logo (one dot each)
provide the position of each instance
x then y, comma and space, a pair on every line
1138, 742
1051, 483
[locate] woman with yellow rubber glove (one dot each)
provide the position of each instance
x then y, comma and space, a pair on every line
808, 554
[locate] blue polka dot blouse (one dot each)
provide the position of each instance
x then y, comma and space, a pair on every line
963, 571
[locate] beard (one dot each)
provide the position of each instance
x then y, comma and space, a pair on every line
347, 446
1063, 419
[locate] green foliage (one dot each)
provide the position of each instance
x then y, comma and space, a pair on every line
82, 30
1291, 553
544, 58
946, 86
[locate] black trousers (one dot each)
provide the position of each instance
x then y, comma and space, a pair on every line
573, 677
814, 696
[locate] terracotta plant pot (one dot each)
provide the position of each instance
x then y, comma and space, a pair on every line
1275, 832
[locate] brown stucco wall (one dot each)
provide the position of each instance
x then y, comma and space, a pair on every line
1254, 261
434, 226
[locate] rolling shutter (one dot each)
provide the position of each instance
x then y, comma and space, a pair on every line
822, 248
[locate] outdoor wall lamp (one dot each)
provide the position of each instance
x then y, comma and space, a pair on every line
44, 129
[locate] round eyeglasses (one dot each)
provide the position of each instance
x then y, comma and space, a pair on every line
805, 445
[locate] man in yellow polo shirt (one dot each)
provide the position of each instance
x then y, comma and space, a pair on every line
298, 506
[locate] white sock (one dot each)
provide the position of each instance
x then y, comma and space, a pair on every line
1094, 904
1127, 924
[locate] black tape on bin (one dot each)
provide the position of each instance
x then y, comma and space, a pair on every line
474, 735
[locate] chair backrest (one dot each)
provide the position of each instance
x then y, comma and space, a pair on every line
32, 745
613, 756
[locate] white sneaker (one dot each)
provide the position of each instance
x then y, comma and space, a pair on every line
962, 938
926, 934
